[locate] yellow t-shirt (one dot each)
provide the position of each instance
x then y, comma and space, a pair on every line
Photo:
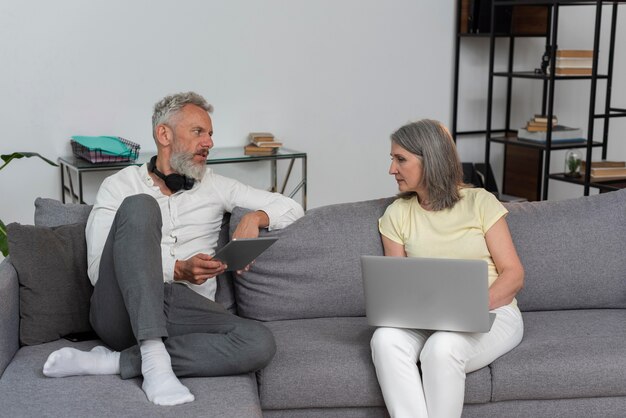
457, 232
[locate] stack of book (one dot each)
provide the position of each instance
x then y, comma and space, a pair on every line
573, 62
261, 143
606, 170
539, 123
538, 132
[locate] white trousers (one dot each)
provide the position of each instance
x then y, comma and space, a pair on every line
445, 357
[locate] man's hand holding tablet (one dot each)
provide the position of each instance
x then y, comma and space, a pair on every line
239, 253
198, 269
236, 255
202, 267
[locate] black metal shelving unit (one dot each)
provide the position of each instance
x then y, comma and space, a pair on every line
529, 29
511, 35
549, 82
506, 135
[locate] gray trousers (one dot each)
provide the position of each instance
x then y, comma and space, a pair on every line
131, 303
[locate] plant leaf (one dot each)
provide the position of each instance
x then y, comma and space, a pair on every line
7, 158
4, 241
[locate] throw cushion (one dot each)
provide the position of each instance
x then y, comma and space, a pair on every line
572, 252
54, 289
314, 269
50, 212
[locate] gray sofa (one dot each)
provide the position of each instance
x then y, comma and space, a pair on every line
307, 289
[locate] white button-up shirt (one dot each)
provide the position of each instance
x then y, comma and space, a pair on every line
191, 218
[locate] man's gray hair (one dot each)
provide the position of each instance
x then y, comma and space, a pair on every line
442, 171
170, 105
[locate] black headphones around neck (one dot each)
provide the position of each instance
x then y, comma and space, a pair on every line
174, 181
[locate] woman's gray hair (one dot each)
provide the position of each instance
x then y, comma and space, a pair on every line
169, 106
442, 171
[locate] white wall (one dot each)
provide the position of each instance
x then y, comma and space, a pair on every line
332, 78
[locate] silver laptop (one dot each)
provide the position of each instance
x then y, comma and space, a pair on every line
427, 293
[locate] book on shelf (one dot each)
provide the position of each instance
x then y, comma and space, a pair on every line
572, 71
574, 53
264, 140
260, 136
536, 128
543, 119
574, 63
268, 144
560, 134
604, 164
554, 141
605, 174
605, 170
252, 149
539, 124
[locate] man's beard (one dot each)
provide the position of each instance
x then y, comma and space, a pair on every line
183, 163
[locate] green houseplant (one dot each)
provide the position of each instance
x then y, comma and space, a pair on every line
573, 163
4, 243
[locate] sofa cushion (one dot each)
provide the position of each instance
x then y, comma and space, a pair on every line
225, 293
51, 265
26, 392
314, 269
9, 313
554, 408
565, 354
572, 252
50, 212
326, 363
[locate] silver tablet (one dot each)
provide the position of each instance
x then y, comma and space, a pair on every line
238, 253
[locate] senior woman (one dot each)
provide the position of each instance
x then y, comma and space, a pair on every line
436, 215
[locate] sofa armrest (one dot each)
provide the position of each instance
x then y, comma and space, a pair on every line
9, 313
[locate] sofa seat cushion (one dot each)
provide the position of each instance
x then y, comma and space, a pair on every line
326, 363
26, 392
604, 407
565, 354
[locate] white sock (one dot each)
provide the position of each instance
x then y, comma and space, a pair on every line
72, 362
160, 384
